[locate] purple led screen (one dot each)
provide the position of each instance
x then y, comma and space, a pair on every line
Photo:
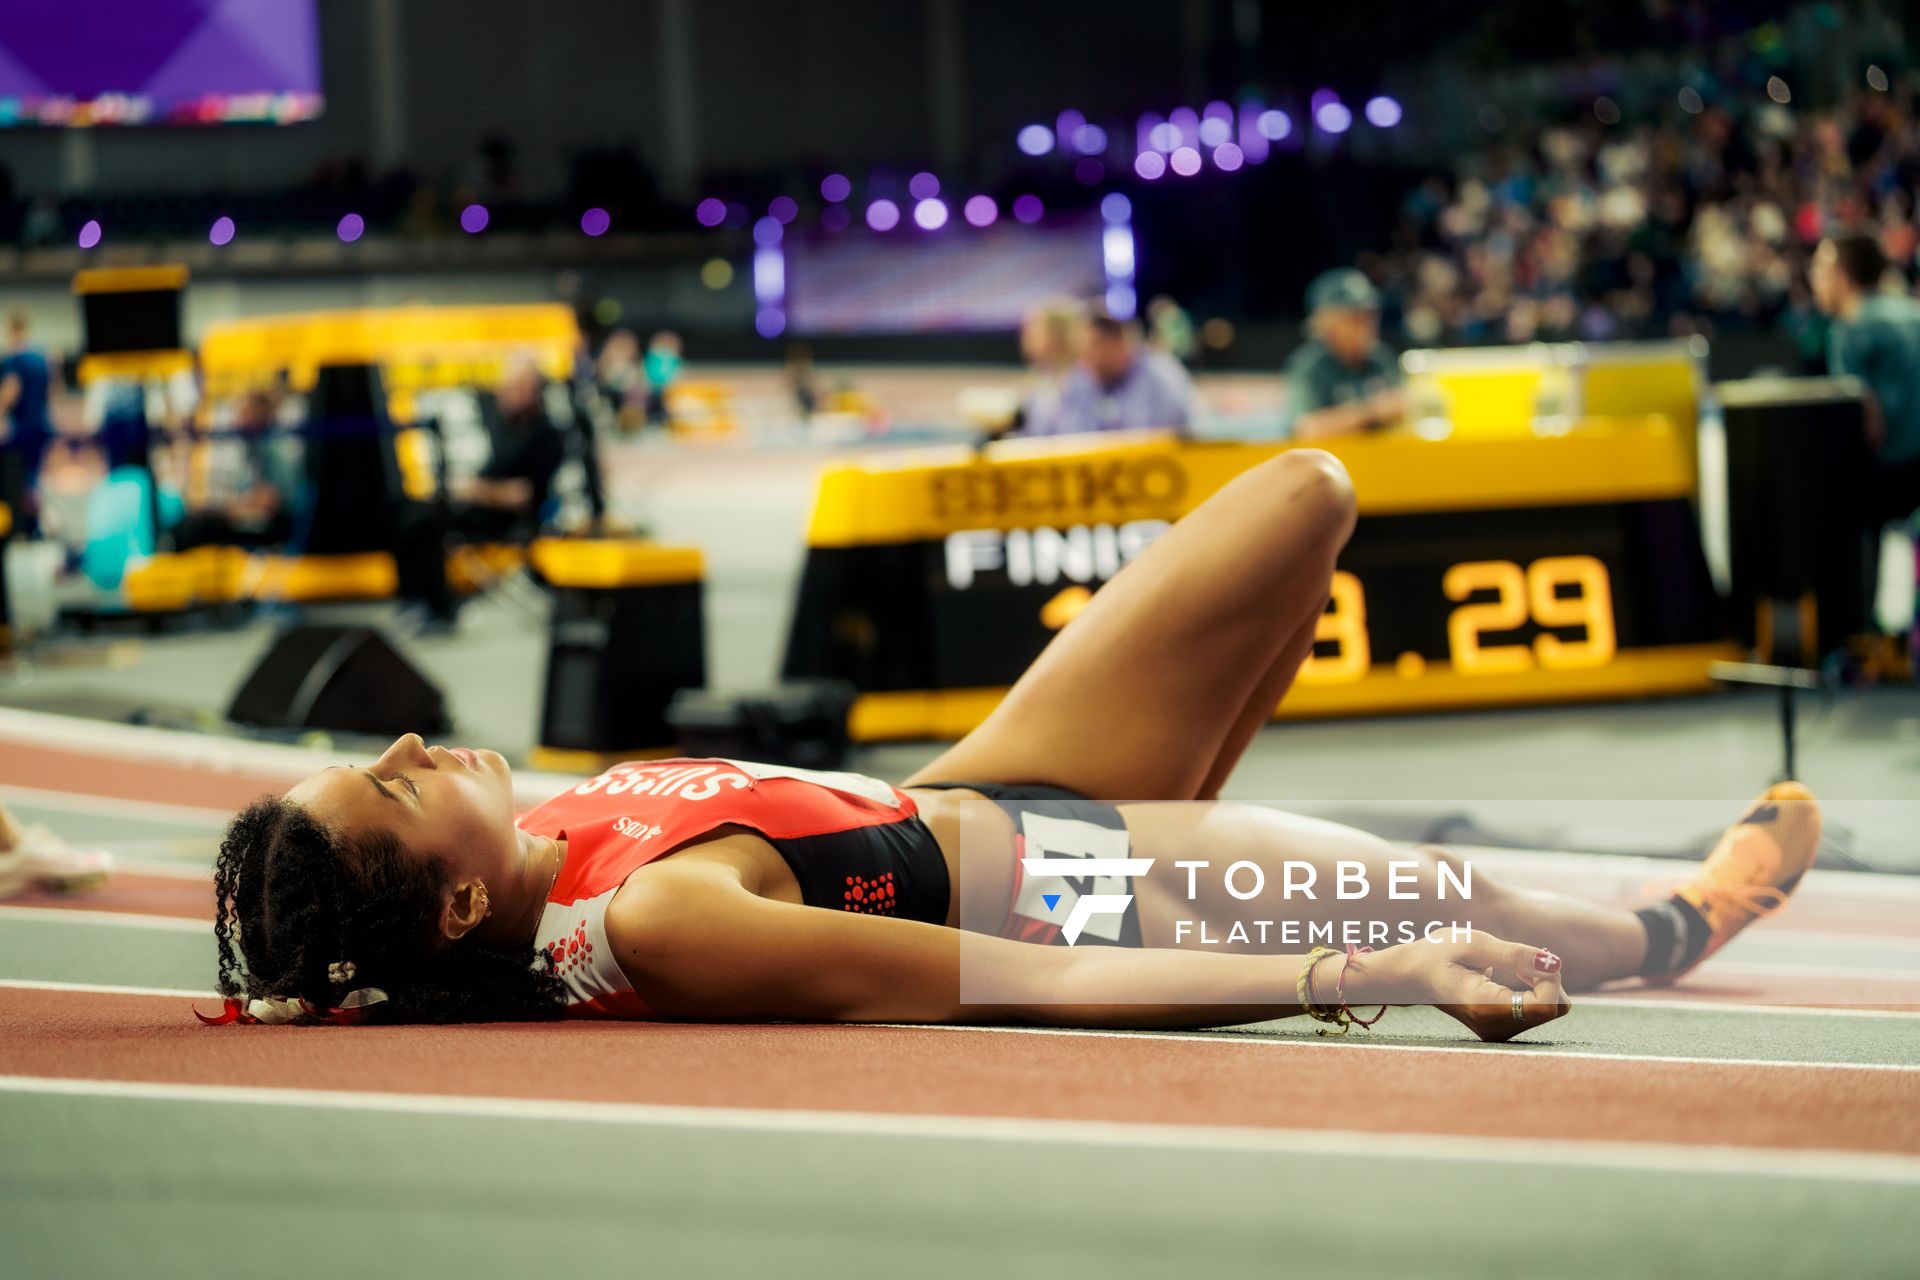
130, 62
912, 281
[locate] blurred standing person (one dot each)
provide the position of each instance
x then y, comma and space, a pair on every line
662, 365
1343, 381
25, 379
1120, 384
1876, 338
1170, 329
1051, 335
802, 383
618, 375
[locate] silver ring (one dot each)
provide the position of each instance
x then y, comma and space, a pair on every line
1519, 1006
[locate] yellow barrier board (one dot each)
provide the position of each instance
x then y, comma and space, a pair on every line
418, 346
1482, 572
614, 562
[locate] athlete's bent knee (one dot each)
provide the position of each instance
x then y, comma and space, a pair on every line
1318, 479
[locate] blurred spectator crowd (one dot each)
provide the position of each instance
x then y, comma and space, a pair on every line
1700, 224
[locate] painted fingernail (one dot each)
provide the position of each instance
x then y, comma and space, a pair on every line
1546, 962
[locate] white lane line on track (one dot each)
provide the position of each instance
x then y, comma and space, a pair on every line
1568, 1153
82, 802
106, 989
1521, 1050
1734, 1006
171, 869
264, 761
111, 919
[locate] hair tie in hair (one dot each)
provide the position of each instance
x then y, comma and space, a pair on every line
231, 1011
271, 1010
357, 1005
274, 1010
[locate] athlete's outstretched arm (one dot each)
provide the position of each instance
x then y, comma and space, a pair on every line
698, 945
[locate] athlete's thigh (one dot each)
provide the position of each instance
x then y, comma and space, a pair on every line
1295, 876
1134, 699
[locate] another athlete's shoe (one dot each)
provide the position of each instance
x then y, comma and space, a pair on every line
1755, 867
39, 859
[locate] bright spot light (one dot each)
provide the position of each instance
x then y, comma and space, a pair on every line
923, 186
981, 211
90, 233
473, 219
1876, 79
770, 322
1164, 137
222, 232
1333, 117
1691, 102
1778, 91
1115, 207
595, 221
1383, 112
1121, 301
710, 212
1029, 209
716, 273
930, 214
767, 231
883, 215
835, 187
769, 276
1227, 157
1116, 244
351, 227
1149, 165
1185, 161
783, 210
1035, 140
1214, 131
1090, 139
1274, 125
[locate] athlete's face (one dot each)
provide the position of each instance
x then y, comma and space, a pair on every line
439, 802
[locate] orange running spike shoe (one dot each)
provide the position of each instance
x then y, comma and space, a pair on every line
1755, 867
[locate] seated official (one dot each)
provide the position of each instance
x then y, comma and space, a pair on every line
1119, 384
250, 505
1344, 381
505, 502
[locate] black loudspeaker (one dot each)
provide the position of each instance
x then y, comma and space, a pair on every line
802, 723
348, 679
1797, 469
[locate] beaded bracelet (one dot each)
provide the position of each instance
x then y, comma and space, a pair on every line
1309, 999
1340, 990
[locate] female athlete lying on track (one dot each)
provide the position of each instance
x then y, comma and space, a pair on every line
408, 892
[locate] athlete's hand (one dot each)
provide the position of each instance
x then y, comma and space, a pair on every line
1474, 981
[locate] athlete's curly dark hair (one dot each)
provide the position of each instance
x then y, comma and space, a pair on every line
296, 903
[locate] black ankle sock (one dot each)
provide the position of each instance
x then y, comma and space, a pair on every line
1676, 935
